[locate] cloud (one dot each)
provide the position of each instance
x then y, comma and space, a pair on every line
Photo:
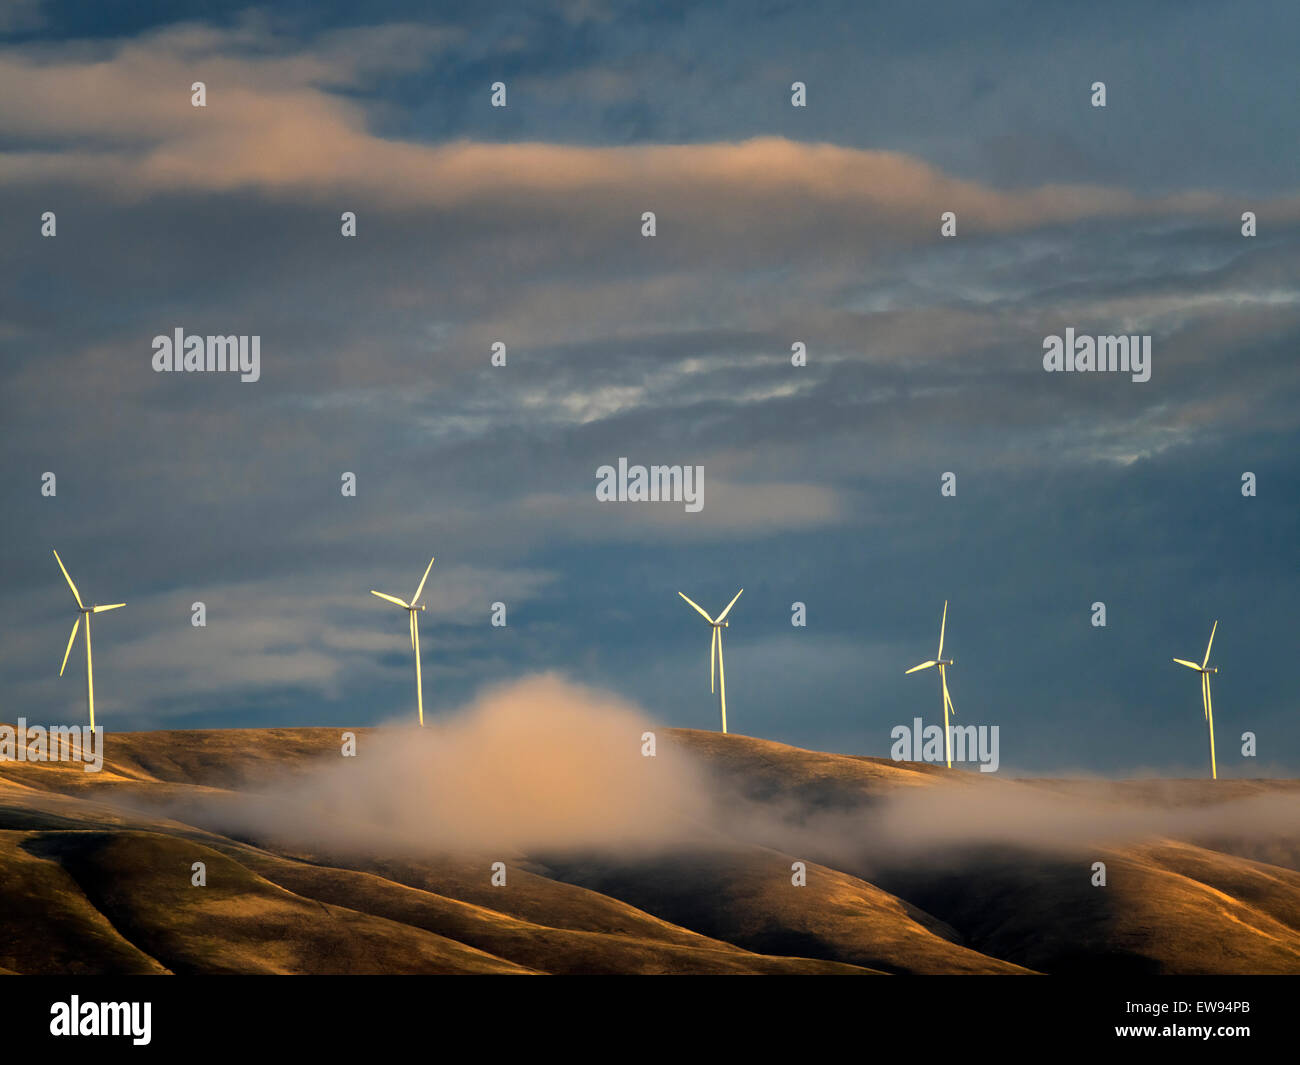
530, 765
523, 226
544, 764
118, 116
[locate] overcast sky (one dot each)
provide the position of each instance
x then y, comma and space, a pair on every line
775, 224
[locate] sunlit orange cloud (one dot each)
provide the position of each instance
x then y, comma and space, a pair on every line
272, 125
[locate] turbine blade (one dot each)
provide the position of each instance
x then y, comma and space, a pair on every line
411, 615
942, 625
923, 665
1210, 644
416, 597
723, 615
697, 607
111, 606
947, 699
75, 625
391, 599
75, 594
1189, 665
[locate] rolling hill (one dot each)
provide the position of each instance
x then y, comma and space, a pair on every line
96, 872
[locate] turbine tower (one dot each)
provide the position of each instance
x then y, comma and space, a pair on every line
1204, 670
411, 610
715, 650
84, 612
943, 664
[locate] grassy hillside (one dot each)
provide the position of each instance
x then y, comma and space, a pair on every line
96, 868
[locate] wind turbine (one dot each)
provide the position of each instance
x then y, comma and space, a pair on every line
943, 664
715, 650
411, 609
1204, 670
85, 611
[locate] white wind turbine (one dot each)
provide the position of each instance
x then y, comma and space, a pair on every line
85, 612
715, 650
411, 610
943, 664
1204, 670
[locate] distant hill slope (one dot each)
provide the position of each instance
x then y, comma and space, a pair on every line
95, 877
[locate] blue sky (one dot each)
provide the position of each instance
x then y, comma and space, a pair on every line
775, 224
